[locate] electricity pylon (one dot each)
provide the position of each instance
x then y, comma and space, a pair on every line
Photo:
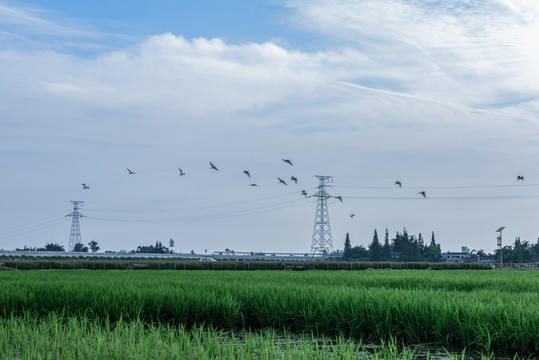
322, 243
74, 235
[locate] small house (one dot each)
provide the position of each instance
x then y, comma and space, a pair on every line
457, 257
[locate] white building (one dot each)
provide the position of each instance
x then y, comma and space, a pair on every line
461, 256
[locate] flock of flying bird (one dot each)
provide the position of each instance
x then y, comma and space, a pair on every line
281, 181
246, 172
424, 193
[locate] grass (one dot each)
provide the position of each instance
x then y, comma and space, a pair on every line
57, 337
486, 312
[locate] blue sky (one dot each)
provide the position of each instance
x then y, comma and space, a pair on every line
239, 21
109, 24
442, 96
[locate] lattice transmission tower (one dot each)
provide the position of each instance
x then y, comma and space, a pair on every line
322, 243
74, 235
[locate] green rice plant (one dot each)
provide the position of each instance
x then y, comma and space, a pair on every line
58, 337
481, 311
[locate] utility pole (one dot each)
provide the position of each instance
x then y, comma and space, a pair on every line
74, 235
499, 242
322, 243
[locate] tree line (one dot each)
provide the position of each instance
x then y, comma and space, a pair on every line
79, 247
522, 251
158, 248
403, 247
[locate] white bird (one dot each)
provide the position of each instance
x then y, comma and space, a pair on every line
213, 166
84, 186
130, 172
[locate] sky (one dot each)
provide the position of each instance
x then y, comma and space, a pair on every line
442, 96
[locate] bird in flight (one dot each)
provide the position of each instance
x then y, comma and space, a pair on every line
253, 185
520, 177
352, 215
181, 172
339, 197
84, 186
294, 179
130, 172
422, 193
246, 172
304, 193
288, 162
213, 166
281, 181
398, 183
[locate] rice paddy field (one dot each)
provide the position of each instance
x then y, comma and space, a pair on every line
414, 314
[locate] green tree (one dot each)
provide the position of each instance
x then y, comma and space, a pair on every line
421, 247
386, 248
93, 246
26, 249
433, 253
520, 252
158, 248
414, 251
401, 244
51, 247
375, 248
79, 247
535, 247
359, 252
347, 252
481, 254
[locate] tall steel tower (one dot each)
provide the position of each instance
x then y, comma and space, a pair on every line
322, 243
74, 235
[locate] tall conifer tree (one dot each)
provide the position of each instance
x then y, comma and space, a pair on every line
386, 248
375, 249
347, 252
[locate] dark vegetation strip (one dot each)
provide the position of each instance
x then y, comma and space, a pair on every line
183, 264
479, 310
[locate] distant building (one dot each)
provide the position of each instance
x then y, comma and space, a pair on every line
455, 257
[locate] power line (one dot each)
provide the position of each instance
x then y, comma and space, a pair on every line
32, 223
474, 197
244, 212
437, 187
191, 208
35, 228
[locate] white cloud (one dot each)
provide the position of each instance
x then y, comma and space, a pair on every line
463, 51
429, 94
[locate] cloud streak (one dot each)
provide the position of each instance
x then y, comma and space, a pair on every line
466, 51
